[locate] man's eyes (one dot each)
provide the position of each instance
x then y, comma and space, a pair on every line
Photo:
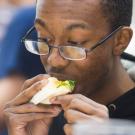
73, 42
77, 43
45, 39
69, 42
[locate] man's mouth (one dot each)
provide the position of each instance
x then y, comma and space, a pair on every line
63, 77
60, 76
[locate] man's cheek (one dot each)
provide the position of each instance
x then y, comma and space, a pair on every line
44, 60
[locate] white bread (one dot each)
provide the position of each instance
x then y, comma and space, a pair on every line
53, 88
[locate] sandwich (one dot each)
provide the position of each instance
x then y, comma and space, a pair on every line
53, 89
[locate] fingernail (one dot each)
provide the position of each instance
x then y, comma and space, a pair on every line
53, 100
58, 109
56, 114
44, 82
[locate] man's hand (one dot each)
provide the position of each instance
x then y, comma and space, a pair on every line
79, 108
24, 118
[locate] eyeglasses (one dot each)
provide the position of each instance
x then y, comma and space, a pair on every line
69, 52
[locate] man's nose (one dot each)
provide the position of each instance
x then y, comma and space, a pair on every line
56, 60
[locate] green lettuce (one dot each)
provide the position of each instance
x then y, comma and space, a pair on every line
70, 84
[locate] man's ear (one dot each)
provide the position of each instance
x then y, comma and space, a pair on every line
122, 40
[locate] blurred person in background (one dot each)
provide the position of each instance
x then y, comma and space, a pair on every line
129, 59
22, 2
131, 70
8, 8
16, 64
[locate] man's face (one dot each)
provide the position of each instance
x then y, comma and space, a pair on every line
68, 21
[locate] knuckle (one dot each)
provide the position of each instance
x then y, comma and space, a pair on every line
6, 106
93, 111
66, 128
32, 115
26, 94
26, 82
103, 114
105, 109
78, 95
42, 76
106, 113
65, 114
68, 116
38, 86
29, 106
6, 113
9, 117
74, 102
14, 119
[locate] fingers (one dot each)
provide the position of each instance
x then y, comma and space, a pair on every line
86, 108
68, 129
30, 88
27, 94
64, 101
89, 101
67, 98
79, 108
38, 78
27, 113
73, 116
68, 102
82, 104
16, 119
30, 108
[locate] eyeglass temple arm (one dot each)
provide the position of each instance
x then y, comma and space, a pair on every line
106, 38
29, 31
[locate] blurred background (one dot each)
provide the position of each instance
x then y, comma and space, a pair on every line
16, 64
108, 127
131, 48
8, 8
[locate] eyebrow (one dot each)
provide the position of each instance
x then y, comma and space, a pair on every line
78, 25
81, 25
39, 21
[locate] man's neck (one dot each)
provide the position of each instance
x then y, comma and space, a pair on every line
118, 83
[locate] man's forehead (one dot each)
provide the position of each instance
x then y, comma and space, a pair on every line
68, 7
88, 11
69, 2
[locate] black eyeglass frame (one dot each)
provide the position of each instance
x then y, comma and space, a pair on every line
79, 45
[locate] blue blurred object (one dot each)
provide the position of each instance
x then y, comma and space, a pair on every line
13, 55
4, 132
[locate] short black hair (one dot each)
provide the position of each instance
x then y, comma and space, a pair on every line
117, 12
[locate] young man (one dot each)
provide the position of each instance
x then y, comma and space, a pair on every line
81, 41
